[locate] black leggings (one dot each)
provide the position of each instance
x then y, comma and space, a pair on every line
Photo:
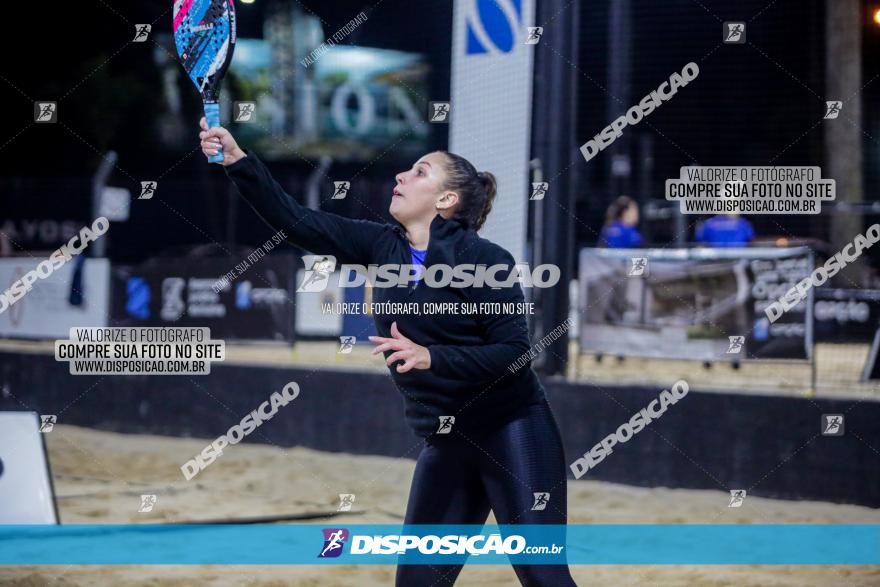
459, 477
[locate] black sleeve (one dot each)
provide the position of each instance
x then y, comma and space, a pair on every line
350, 241
506, 334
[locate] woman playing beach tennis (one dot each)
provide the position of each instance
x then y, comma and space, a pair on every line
491, 442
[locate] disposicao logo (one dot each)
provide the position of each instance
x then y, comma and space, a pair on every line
334, 541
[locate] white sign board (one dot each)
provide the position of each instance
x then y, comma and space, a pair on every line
45, 311
25, 484
311, 319
491, 106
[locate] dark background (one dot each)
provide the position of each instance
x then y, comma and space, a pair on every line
748, 107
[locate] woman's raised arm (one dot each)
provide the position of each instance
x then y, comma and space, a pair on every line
350, 241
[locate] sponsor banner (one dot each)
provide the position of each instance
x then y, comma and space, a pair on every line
193, 292
846, 315
74, 294
686, 544
702, 304
491, 88
821, 274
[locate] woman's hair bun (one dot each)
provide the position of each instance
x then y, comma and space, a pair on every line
476, 190
490, 183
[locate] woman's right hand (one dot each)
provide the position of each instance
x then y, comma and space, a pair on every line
212, 138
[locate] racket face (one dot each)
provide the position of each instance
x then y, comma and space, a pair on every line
204, 34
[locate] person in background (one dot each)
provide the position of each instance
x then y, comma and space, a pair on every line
621, 219
726, 230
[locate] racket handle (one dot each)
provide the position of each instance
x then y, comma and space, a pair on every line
212, 115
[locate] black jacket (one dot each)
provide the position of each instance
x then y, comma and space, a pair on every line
469, 377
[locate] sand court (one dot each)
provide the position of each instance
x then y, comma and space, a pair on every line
100, 476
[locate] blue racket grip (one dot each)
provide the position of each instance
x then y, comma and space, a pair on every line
212, 115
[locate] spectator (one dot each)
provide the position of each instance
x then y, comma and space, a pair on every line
620, 230
726, 230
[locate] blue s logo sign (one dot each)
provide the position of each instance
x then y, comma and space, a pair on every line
492, 26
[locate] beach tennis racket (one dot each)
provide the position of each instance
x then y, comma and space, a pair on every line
204, 34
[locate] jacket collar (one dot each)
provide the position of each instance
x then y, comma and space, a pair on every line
442, 231
441, 228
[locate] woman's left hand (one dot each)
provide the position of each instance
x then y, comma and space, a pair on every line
414, 356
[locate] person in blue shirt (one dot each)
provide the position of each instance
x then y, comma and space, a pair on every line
418, 260
726, 230
621, 220
490, 438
